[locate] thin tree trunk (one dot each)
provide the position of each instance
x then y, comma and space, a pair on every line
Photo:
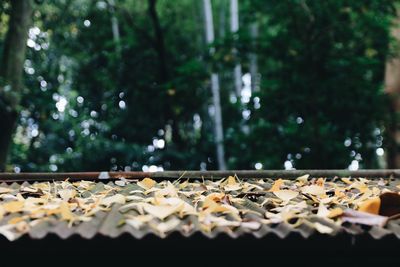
237, 72
255, 76
218, 124
115, 28
222, 19
11, 72
159, 41
164, 78
392, 88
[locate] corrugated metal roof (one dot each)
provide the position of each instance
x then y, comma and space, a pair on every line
113, 222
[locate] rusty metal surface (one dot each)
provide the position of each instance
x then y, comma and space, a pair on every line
108, 224
243, 174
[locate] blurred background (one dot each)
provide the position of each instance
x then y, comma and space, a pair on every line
199, 84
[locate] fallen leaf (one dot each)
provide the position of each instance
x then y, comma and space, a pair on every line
146, 183
323, 229
303, 179
322, 211
66, 194
22, 227
169, 190
117, 198
65, 212
335, 213
6, 231
121, 182
211, 206
138, 221
320, 182
16, 220
286, 195
315, 190
2, 212
371, 205
347, 181
277, 185
4, 190
160, 212
167, 226
28, 189
231, 180
253, 225
353, 216
13, 206
232, 187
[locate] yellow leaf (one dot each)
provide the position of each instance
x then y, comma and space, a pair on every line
215, 196
286, 195
339, 192
210, 206
303, 179
315, 190
335, 213
231, 180
183, 185
320, 182
371, 205
13, 206
160, 212
277, 185
2, 211
67, 194
231, 184
232, 187
168, 190
347, 181
118, 198
66, 214
16, 220
146, 183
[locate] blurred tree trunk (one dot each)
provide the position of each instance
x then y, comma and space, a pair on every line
222, 19
392, 88
115, 28
11, 72
237, 72
218, 126
159, 41
164, 79
255, 77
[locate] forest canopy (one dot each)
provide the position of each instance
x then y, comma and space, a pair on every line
157, 85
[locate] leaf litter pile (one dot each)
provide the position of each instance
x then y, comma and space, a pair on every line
228, 205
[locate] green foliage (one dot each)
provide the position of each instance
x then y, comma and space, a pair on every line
320, 103
322, 79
